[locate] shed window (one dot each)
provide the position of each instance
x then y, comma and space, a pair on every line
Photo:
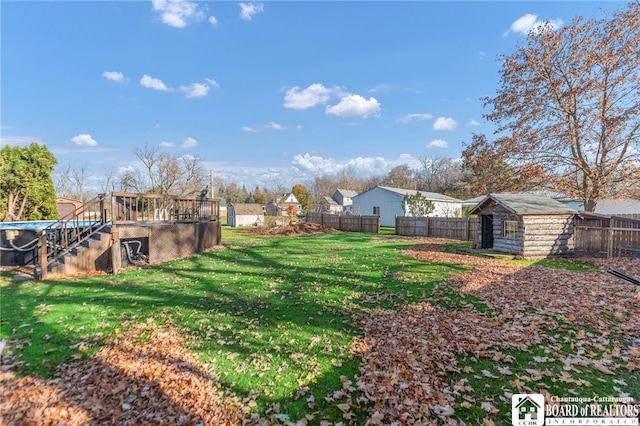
510, 229
376, 210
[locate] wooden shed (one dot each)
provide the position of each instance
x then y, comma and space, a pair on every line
532, 226
67, 206
245, 214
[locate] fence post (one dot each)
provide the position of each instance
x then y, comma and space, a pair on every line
42, 257
610, 239
103, 209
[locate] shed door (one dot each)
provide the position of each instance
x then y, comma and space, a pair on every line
487, 231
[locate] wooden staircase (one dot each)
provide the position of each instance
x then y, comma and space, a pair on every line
79, 242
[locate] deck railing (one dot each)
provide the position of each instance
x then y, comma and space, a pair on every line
129, 207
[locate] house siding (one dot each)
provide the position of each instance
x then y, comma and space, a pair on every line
390, 204
244, 216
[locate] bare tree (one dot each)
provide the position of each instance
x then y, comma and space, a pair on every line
108, 181
570, 101
440, 174
166, 173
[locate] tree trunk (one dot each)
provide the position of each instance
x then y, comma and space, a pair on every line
590, 205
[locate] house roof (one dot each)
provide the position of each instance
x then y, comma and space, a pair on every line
525, 204
433, 196
330, 201
621, 206
347, 193
241, 209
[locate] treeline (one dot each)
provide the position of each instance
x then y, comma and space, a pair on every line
459, 178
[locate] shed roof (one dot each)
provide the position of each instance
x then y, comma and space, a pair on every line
241, 209
525, 204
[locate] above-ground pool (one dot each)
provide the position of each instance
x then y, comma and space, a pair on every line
19, 240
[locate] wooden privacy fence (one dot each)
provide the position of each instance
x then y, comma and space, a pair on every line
353, 223
457, 228
609, 236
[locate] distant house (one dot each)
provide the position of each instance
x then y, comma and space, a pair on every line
389, 202
618, 207
245, 215
340, 202
344, 197
67, 206
522, 224
329, 205
280, 207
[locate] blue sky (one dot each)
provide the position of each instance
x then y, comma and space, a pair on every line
264, 93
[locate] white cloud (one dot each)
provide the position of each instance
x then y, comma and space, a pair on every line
178, 13
445, 123
84, 140
315, 165
213, 21
269, 126
196, 90
473, 122
352, 105
313, 95
438, 143
114, 76
275, 126
18, 140
153, 83
189, 142
408, 118
165, 144
530, 22
211, 82
248, 10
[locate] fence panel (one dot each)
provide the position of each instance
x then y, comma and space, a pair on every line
458, 228
353, 223
599, 235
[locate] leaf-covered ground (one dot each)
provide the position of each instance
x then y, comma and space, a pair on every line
581, 320
489, 330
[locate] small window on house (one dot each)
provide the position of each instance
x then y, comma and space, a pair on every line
510, 229
376, 210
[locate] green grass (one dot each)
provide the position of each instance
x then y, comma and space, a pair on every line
271, 315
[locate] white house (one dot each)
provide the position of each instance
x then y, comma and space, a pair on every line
329, 205
388, 203
280, 207
344, 197
245, 215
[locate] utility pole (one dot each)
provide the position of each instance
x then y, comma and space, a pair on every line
212, 186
